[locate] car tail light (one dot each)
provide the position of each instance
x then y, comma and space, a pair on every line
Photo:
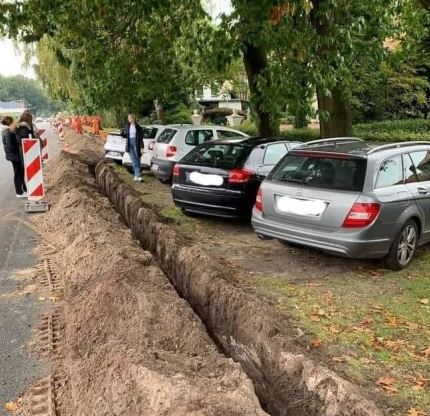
361, 215
239, 176
259, 200
171, 151
151, 146
176, 170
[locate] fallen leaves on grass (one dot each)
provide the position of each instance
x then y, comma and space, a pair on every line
367, 361
426, 352
424, 301
338, 359
316, 343
414, 412
386, 383
12, 407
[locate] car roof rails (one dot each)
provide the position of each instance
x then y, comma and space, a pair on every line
397, 145
333, 141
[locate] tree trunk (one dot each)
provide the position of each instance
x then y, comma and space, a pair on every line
161, 114
302, 110
255, 60
339, 123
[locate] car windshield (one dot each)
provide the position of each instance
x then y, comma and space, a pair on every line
321, 172
167, 136
222, 155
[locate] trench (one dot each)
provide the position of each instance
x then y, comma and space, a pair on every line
287, 383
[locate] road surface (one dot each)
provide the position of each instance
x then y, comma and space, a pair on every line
18, 314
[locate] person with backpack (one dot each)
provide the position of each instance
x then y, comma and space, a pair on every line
13, 152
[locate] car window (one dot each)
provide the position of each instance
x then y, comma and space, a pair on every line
220, 155
294, 144
167, 136
196, 137
224, 134
321, 172
410, 171
390, 172
420, 167
150, 133
274, 153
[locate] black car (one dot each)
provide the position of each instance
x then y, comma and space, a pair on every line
222, 177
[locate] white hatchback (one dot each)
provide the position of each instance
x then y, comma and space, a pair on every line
177, 141
115, 146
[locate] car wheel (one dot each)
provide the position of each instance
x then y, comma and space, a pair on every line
403, 248
118, 162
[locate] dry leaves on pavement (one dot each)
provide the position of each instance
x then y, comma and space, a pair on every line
12, 407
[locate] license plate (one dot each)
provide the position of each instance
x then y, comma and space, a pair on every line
155, 167
206, 180
303, 207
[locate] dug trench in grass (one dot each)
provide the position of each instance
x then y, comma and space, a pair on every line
132, 346
287, 382
364, 322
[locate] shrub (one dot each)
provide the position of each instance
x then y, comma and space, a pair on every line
180, 114
301, 135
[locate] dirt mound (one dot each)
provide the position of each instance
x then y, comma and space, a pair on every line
132, 346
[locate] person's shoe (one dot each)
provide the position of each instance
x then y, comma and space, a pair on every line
140, 179
135, 179
24, 195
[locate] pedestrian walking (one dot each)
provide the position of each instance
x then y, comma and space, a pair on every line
13, 153
134, 145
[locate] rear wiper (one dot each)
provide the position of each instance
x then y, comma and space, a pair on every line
291, 180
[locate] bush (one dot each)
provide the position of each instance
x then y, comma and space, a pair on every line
180, 114
301, 135
247, 127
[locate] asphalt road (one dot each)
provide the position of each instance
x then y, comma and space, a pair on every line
18, 314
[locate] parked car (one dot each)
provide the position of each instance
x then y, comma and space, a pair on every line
115, 147
150, 136
176, 142
350, 198
222, 177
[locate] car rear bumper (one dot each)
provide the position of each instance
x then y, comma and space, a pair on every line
165, 168
109, 154
351, 244
220, 204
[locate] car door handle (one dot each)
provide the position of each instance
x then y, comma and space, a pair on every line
423, 191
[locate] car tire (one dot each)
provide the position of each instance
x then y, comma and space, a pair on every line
118, 162
403, 248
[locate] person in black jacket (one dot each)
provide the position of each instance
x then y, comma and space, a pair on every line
13, 153
134, 145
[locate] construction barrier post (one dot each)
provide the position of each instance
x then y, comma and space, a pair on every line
45, 145
34, 176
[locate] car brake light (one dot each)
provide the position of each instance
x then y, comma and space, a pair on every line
361, 215
259, 200
171, 151
151, 146
176, 170
239, 176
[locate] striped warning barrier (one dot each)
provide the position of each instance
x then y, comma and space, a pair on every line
61, 131
55, 126
45, 145
33, 169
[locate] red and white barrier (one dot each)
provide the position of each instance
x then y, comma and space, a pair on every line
33, 169
61, 131
45, 145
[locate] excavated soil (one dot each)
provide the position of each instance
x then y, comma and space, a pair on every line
131, 345
288, 382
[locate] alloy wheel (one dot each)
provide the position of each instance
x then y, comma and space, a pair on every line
407, 244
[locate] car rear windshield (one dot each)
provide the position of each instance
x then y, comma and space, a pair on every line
218, 155
167, 136
149, 133
323, 172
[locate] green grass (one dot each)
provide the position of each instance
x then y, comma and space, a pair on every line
375, 322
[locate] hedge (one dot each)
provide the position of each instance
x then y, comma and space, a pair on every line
383, 131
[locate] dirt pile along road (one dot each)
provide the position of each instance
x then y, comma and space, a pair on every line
130, 344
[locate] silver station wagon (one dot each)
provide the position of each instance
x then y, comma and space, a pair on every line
351, 198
